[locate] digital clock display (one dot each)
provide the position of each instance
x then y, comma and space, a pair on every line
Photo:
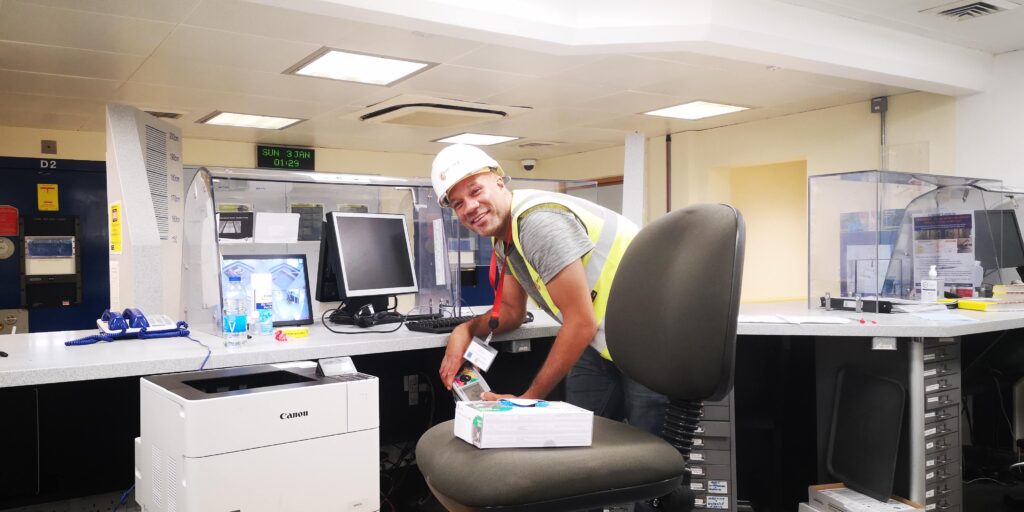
280, 157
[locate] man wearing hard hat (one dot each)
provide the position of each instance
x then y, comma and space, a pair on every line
562, 251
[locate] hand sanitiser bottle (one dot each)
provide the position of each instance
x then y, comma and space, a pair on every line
236, 311
930, 287
977, 278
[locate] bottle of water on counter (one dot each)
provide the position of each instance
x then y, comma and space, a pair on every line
236, 312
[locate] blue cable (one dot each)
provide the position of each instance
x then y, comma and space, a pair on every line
124, 498
181, 329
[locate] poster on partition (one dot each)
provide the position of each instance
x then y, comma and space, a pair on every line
946, 241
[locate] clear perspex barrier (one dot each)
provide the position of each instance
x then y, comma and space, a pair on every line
877, 233
239, 212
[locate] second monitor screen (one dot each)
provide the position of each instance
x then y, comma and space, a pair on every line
374, 252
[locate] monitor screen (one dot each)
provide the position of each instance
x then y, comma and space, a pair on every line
373, 252
997, 239
289, 278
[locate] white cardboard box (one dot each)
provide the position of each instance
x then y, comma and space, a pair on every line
806, 508
494, 425
836, 497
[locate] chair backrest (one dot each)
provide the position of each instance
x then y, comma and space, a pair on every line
671, 317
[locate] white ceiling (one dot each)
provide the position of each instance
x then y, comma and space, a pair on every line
61, 61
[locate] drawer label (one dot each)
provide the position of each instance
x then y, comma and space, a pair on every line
698, 441
929, 357
718, 502
929, 463
933, 399
697, 471
930, 432
931, 373
929, 446
696, 486
933, 387
929, 415
929, 475
930, 506
697, 456
718, 486
930, 493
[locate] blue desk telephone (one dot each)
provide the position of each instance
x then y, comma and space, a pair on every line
131, 323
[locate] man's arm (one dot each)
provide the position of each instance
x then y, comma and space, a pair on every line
513, 309
570, 293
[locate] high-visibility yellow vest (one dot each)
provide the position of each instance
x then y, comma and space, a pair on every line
610, 232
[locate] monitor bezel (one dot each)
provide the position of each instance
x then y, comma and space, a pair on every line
305, 274
369, 292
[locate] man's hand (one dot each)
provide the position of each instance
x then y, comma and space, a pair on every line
458, 342
490, 396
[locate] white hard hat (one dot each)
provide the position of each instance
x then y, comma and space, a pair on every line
457, 162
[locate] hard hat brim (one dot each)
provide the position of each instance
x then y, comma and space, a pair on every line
443, 200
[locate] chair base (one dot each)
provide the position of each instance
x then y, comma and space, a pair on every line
584, 502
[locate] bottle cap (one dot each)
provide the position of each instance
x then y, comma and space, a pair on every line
232, 279
932, 272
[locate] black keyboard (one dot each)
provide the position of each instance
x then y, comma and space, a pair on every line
438, 325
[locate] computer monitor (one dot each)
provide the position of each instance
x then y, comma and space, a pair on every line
364, 259
288, 276
997, 240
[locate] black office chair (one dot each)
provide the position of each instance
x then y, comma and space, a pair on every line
670, 325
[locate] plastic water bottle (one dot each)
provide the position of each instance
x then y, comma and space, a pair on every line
236, 312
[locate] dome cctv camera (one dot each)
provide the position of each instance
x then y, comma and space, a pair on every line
529, 164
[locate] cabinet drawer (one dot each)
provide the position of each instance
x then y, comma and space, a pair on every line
950, 441
712, 443
941, 399
715, 413
941, 368
942, 473
941, 352
942, 413
709, 457
941, 383
941, 428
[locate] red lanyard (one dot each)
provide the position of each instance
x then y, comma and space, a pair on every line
500, 283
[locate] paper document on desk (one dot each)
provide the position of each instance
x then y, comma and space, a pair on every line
947, 317
791, 319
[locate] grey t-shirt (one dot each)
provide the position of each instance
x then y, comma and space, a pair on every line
552, 238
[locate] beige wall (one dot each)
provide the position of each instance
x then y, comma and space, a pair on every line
776, 229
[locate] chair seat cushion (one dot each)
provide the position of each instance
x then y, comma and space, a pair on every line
621, 456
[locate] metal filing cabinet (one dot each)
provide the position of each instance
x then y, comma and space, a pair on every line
942, 449
713, 460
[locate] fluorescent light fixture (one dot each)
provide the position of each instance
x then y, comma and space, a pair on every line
249, 120
695, 110
476, 139
357, 67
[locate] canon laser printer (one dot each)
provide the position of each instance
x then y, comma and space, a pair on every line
258, 438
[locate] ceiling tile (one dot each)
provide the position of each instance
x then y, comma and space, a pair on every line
67, 61
158, 10
550, 93
461, 83
629, 102
626, 71
251, 18
514, 60
197, 101
184, 73
244, 51
31, 23
47, 120
56, 85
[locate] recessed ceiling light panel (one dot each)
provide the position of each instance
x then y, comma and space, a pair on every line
249, 121
357, 67
695, 110
476, 139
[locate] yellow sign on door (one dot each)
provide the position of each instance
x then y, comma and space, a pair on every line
116, 218
46, 194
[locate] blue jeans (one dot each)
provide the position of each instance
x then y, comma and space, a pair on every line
597, 385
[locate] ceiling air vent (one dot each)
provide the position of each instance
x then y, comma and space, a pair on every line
164, 115
969, 9
424, 111
538, 144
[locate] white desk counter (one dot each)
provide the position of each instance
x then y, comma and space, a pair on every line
902, 325
42, 358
